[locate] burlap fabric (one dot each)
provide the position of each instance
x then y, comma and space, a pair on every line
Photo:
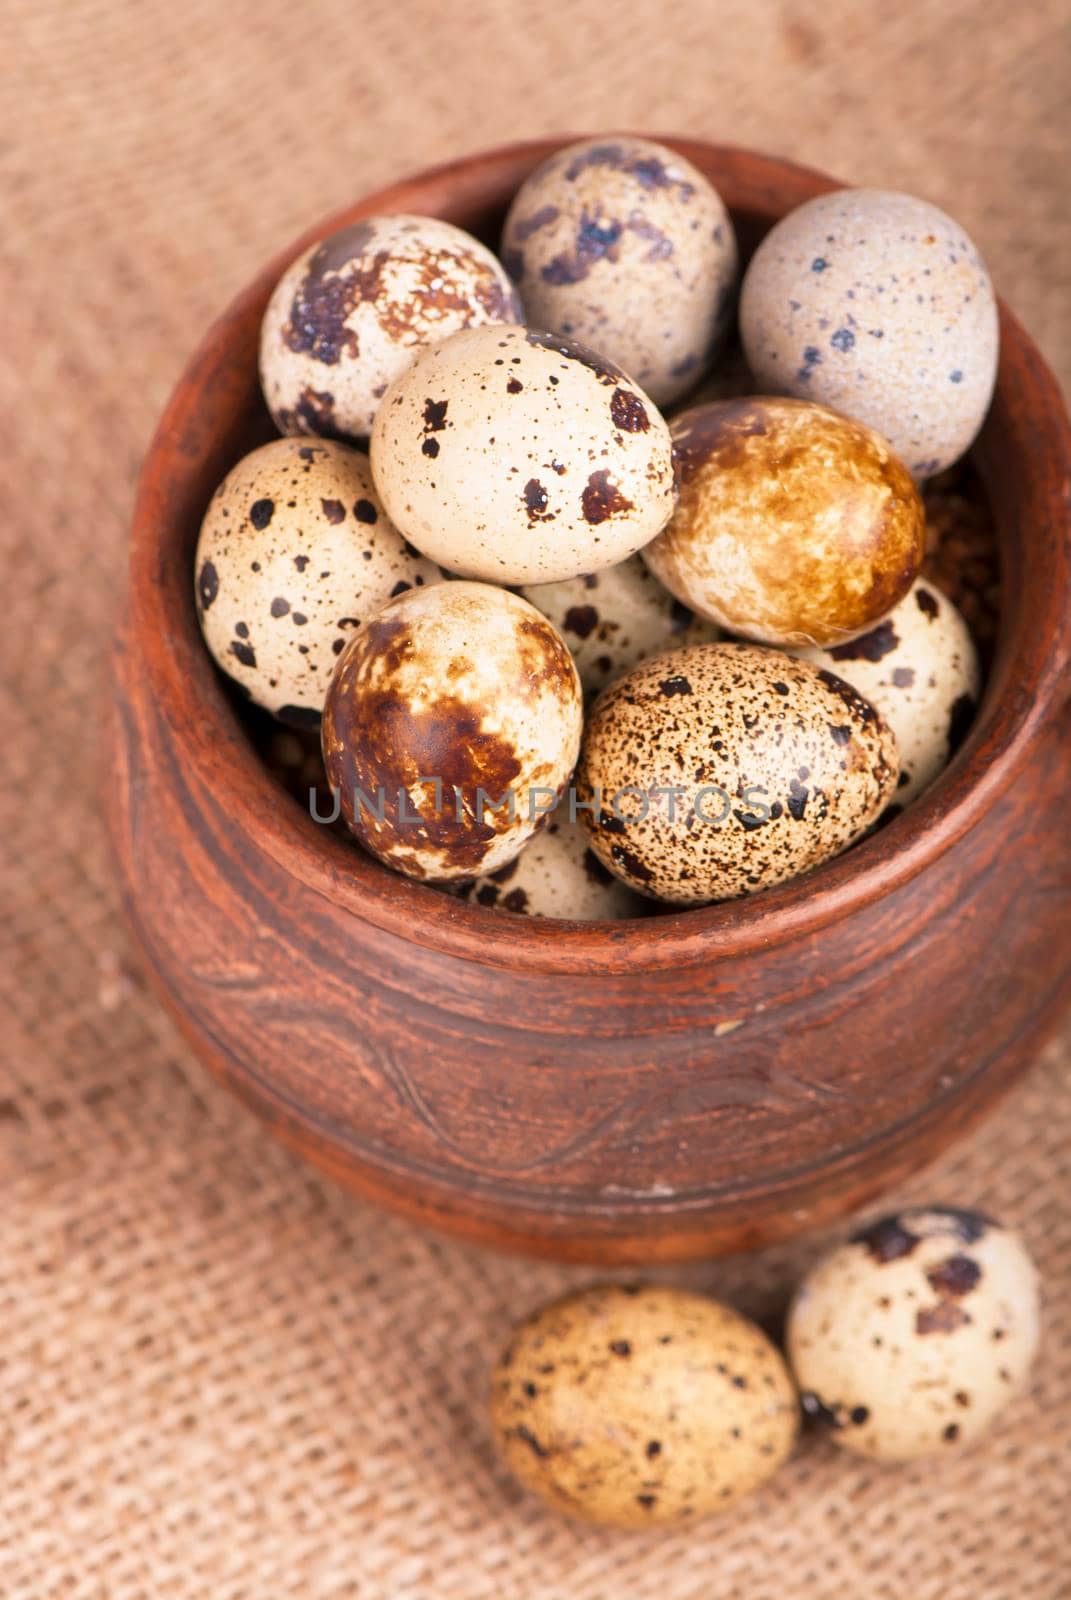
220, 1377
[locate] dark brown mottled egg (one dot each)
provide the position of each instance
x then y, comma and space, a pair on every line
624, 244
794, 525
295, 552
352, 311
636, 1407
722, 769
450, 728
913, 1336
517, 457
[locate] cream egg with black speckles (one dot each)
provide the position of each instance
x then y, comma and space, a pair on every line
638, 1407
719, 770
519, 457
794, 525
614, 618
295, 552
624, 244
878, 304
351, 312
919, 668
914, 1335
557, 874
451, 728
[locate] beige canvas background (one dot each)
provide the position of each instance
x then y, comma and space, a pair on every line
220, 1377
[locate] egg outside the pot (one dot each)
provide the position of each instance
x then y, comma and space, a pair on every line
517, 457
919, 668
642, 1406
916, 1334
719, 770
352, 311
451, 728
794, 525
295, 552
622, 243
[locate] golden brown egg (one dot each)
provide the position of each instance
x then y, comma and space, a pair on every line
794, 526
639, 1406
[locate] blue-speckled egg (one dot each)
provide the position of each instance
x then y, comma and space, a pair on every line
879, 305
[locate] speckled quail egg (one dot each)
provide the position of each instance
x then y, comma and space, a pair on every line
920, 670
638, 1406
450, 728
295, 551
350, 313
557, 874
614, 618
914, 1335
878, 304
794, 525
624, 244
519, 457
719, 770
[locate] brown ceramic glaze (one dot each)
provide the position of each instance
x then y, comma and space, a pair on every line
690, 1084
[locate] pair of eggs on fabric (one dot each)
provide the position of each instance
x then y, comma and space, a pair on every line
639, 1406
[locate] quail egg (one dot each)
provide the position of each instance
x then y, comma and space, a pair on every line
912, 1337
920, 670
639, 1406
624, 244
351, 312
718, 770
295, 551
879, 305
557, 874
519, 457
794, 525
614, 618
450, 728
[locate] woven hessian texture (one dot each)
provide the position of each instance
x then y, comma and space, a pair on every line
220, 1377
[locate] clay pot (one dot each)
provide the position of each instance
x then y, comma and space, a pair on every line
677, 1086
